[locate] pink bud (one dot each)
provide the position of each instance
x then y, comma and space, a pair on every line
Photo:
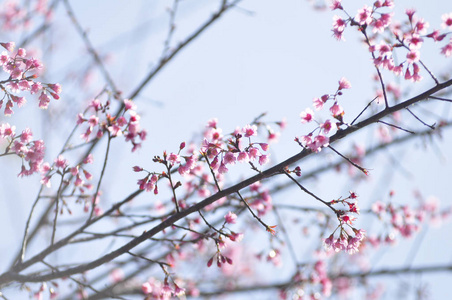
137, 169
209, 262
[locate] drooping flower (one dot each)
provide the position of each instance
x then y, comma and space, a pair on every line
230, 218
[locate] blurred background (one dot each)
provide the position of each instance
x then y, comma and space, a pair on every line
260, 57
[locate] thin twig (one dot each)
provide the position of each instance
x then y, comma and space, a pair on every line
429, 72
308, 192
395, 126
380, 76
172, 27
440, 98
367, 106
148, 259
210, 226
90, 46
27, 227
252, 212
286, 236
350, 161
102, 173
225, 7
429, 126
57, 201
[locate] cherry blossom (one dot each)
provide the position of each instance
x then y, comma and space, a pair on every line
307, 115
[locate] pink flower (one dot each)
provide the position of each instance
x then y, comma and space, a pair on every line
78, 181
146, 288
89, 159
56, 87
347, 219
230, 218
44, 101
336, 4
179, 291
447, 21
7, 130
253, 153
407, 74
305, 140
26, 135
383, 48
336, 110
74, 170
380, 24
8, 108
96, 104
249, 130
416, 77
353, 245
60, 162
216, 133
412, 56
9, 46
326, 127
360, 234
21, 52
344, 84
222, 169
339, 23
415, 41
263, 159
128, 104
174, 159
212, 123
338, 34
93, 120
236, 237
364, 15
320, 141
229, 158
307, 115
318, 103
398, 70
88, 175
115, 130
328, 242
421, 26
166, 291
264, 146
25, 85
243, 157
117, 275
447, 50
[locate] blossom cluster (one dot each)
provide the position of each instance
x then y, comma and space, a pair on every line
387, 36
310, 283
154, 289
22, 72
217, 153
405, 219
221, 153
14, 16
61, 166
315, 142
29, 150
101, 121
350, 238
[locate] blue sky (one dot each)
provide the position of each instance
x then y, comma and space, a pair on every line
261, 57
